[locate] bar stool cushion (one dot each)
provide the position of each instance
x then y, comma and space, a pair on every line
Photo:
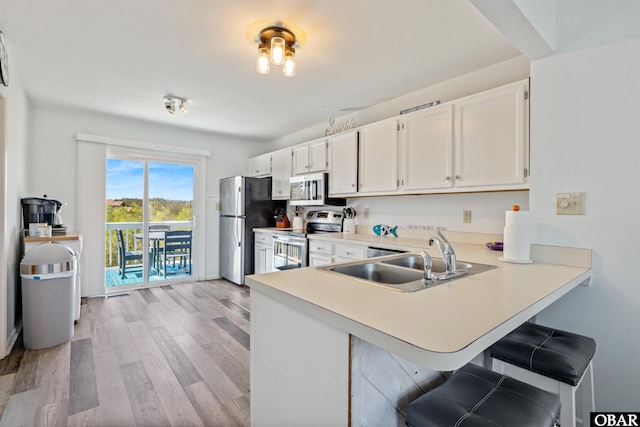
475, 396
556, 354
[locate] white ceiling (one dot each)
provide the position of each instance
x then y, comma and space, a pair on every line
122, 56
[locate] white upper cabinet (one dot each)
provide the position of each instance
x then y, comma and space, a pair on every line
492, 139
426, 149
260, 165
310, 157
378, 157
280, 173
472, 144
343, 153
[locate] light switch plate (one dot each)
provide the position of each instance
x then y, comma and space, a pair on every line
570, 204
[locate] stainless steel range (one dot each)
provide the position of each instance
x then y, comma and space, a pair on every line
291, 249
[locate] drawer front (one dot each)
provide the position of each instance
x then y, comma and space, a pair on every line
264, 238
320, 247
351, 252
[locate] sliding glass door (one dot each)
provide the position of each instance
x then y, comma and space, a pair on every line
149, 221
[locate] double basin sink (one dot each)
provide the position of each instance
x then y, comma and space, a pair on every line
404, 273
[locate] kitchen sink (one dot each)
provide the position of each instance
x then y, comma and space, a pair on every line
416, 262
404, 273
379, 273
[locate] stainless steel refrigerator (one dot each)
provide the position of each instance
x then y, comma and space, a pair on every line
245, 203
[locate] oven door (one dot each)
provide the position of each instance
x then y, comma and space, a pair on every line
289, 252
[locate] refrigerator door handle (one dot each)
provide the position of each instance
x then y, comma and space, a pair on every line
237, 231
237, 213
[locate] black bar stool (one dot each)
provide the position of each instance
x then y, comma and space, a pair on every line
475, 396
553, 360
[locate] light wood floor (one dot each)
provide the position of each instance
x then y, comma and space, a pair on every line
168, 356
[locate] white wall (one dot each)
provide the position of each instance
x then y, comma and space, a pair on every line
585, 137
13, 177
491, 77
441, 210
53, 155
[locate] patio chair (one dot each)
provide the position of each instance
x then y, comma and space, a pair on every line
124, 255
177, 245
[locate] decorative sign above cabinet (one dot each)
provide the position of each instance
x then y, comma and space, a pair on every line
347, 125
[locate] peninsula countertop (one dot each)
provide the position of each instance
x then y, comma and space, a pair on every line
442, 327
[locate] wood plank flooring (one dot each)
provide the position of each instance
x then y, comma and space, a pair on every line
166, 356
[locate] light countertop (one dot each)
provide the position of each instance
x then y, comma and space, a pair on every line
68, 236
442, 327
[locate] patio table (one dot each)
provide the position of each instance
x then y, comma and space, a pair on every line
155, 237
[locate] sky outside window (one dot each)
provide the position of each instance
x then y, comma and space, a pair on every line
166, 180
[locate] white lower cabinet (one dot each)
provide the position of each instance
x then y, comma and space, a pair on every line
263, 252
322, 252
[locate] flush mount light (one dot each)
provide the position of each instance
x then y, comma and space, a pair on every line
276, 47
171, 103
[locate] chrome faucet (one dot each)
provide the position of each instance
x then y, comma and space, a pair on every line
448, 254
428, 264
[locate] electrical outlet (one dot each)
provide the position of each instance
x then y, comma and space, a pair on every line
466, 216
217, 206
365, 213
570, 204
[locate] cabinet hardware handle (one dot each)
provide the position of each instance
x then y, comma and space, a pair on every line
448, 178
457, 176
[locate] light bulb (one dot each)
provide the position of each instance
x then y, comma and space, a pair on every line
262, 65
289, 67
277, 50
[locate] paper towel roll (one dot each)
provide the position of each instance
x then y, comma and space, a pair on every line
517, 237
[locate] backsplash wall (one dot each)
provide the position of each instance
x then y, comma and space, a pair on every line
441, 210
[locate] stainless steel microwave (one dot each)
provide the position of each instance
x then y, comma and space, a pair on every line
312, 190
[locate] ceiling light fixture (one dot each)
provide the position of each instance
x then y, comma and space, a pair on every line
276, 47
171, 103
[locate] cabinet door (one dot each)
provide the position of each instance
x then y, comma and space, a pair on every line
260, 165
351, 252
491, 140
259, 266
300, 159
319, 259
426, 149
343, 179
378, 157
280, 172
254, 167
318, 155
320, 246
268, 259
